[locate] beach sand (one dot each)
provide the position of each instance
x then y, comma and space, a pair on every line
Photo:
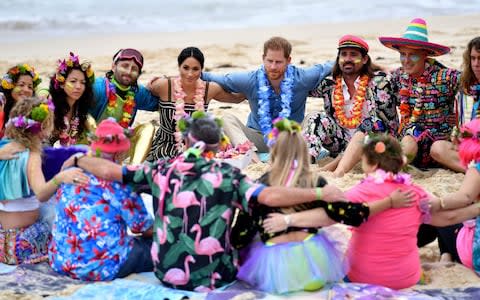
239, 50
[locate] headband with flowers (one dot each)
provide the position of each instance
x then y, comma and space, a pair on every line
12, 75
279, 125
64, 66
33, 122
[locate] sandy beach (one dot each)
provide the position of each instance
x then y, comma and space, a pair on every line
241, 49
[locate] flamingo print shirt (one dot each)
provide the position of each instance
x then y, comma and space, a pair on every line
191, 248
89, 235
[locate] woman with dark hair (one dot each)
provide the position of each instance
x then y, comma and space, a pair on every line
18, 83
71, 92
182, 95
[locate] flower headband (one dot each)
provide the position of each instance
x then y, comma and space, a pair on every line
64, 66
12, 75
33, 123
279, 125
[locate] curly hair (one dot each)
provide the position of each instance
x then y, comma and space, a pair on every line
384, 151
80, 108
23, 135
468, 77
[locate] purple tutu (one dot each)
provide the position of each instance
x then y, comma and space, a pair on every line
295, 266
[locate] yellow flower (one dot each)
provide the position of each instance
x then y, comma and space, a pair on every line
70, 63
27, 67
60, 78
7, 85
44, 107
89, 72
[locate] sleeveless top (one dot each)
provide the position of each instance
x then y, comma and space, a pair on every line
164, 144
13, 175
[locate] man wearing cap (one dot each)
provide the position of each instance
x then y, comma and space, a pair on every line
118, 95
427, 91
276, 89
89, 235
358, 99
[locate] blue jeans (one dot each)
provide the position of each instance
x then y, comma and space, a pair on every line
139, 259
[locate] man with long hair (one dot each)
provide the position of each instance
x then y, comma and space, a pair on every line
357, 100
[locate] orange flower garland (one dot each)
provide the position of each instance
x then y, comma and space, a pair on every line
339, 103
128, 106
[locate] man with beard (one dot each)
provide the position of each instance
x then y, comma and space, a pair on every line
357, 100
276, 89
118, 95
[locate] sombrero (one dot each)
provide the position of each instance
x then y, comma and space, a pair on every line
416, 36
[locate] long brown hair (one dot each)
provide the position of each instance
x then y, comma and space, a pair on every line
468, 77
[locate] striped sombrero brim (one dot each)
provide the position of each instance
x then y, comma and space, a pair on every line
432, 48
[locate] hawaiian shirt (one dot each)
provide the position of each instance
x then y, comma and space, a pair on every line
191, 247
379, 111
427, 103
89, 235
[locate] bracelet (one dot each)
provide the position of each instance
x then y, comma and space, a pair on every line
55, 181
76, 158
318, 193
288, 220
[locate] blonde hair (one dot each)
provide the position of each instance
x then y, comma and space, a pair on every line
23, 135
289, 150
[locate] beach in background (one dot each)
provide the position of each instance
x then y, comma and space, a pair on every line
231, 35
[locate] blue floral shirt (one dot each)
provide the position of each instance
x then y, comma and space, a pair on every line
89, 235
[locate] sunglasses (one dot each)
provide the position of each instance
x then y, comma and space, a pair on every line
413, 57
129, 53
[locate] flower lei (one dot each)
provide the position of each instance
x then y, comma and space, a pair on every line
359, 98
179, 97
73, 62
266, 92
68, 136
112, 105
9, 79
380, 176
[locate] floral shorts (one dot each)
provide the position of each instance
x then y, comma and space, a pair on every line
25, 245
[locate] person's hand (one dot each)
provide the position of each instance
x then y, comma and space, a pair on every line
332, 193
10, 151
275, 222
73, 175
150, 83
400, 199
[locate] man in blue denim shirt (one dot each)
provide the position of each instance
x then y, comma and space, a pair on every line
276, 89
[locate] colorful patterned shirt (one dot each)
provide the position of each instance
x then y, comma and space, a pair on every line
90, 240
191, 247
427, 103
379, 108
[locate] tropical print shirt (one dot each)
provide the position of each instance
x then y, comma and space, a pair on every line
427, 103
191, 248
89, 235
379, 109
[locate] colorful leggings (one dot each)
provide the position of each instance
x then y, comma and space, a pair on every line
24, 245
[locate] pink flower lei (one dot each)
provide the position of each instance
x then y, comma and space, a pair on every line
380, 176
68, 136
179, 96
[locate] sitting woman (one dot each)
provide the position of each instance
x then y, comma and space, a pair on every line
23, 237
183, 95
18, 83
71, 92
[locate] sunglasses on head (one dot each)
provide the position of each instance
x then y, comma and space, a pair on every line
129, 53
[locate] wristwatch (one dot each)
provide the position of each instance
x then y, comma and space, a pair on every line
76, 158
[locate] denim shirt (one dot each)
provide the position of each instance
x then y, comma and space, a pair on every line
305, 80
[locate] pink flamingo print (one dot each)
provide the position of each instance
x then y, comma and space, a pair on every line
214, 178
183, 200
162, 233
154, 253
226, 216
204, 289
207, 246
177, 276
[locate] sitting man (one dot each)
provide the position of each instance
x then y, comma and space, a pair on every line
276, 89
196, 197
427, 91
118, 95
89, 235
359, 99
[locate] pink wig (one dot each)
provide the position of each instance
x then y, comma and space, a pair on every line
469, 149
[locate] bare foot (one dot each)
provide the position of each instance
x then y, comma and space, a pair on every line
446, 258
